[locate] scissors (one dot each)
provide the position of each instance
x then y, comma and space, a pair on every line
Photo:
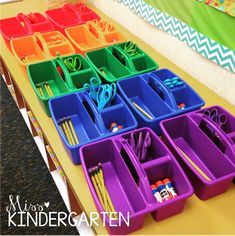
82, 7
130, 49
73, 64
92, 87
105, 94
140, 144
55, 40
105, 26
219, 118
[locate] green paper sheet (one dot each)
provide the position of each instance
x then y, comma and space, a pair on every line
207, 20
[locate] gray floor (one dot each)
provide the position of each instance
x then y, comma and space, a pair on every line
23, 171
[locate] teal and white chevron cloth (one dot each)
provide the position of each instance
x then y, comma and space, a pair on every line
207, 47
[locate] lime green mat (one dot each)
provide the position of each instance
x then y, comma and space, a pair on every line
207, 20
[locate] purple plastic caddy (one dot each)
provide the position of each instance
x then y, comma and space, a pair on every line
128, 181
208, 142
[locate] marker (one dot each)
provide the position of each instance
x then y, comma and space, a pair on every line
169, 187
163, 192
156, 194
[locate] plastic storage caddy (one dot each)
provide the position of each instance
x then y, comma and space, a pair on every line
55, 43
23, 25
90, 124
41, 46
128, 182
203, 151
114, 64
93, 35
70, 15
11, 28
82, 39
60, 81
151, 101
27, 50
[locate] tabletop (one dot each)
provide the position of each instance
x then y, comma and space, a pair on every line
214, 216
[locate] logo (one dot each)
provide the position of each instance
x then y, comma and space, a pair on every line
24, 214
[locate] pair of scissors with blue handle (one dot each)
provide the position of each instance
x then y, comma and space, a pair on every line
92, 87
219, 118
105, 94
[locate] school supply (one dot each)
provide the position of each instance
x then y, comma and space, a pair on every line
47, 89
103, 25
114, 127
67, 128
173, 82
199, 171
103, 94
97, 177
169, 187
131, 49
214, 115
142, 110
73, 64
156, 193
140, 144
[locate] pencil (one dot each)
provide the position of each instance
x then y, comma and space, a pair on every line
194, 165
96, 187
142, 110
69, 132
73, 131
66, 133
49, 88
112, 209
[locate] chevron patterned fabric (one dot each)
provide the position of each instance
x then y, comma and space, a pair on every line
207, 47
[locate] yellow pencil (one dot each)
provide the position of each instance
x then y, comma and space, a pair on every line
45, 86
96, 188
96, 172
69, 132
73, 131
112, 209
194, 165
142, 110
49, 88
66, 133
40, 90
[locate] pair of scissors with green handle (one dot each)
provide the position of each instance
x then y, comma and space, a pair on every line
73, 64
